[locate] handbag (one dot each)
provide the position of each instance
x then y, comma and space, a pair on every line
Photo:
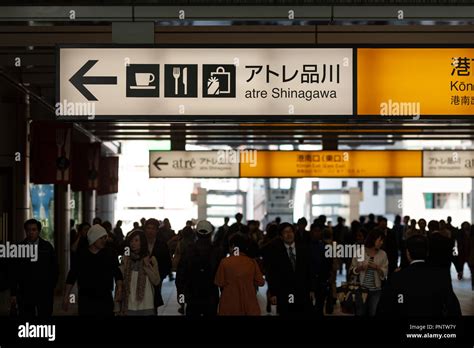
350, 295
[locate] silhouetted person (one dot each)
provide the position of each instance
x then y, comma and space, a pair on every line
302, 235
389, 245
238, 277
288, 272
321, 270
196, 272
371, 224
419, 290
95, 270
463, 248
221, 232
160, 251
237, 227
441, 248
33, 282
118, 232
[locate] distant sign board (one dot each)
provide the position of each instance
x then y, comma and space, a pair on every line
205, 81
448, 163
193, 164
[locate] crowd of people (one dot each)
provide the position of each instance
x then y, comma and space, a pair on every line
405, 270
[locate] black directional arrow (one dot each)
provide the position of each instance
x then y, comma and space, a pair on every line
158, 164
78, 80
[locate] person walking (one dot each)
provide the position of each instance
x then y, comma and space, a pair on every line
371, 272
160, 251
238, 277
95, 270
186, 236
33, 281
140, 276
288, 272
419, 290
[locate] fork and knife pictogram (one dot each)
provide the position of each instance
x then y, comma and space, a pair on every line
177, 75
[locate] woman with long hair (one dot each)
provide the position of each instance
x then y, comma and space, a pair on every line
140, 276
371, 271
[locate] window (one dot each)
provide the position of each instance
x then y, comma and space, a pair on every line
344, 183
447, 200
375, 188
429, 203
393, 187
361, 185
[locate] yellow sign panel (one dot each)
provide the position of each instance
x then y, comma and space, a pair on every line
415, 81
335, 164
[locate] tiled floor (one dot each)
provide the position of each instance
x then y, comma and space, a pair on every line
462, 289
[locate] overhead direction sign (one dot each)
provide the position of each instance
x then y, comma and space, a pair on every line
302, 164
336, 164
448, 163
192, 164
207, 81
415, 81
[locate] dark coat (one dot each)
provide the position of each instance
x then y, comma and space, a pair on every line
390, 246
197, 270
440, 251
419, 290
31, 281
162, 254
284, 282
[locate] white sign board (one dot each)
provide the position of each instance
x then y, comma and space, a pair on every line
448, 163
192, 164
205, 81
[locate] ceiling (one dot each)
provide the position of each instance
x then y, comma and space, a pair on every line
35, 45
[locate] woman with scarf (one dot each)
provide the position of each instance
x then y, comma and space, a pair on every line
140, 276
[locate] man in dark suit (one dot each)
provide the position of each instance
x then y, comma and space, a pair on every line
161, 252
419, 290
289, 274
441, 248
33, 281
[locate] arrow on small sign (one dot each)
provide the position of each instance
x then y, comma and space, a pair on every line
78, 80
158, 164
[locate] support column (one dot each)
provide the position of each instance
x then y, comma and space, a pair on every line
22, 169
106, 207
88, 206
62, 213
329, 143
178, 137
